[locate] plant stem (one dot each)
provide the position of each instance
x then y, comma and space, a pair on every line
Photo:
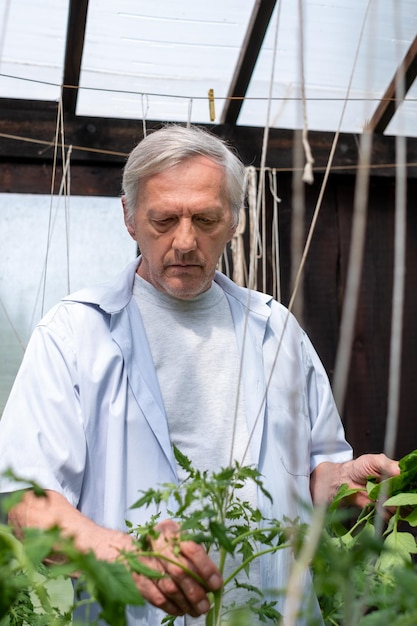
216, 610
362, 520
252, 533
252, 558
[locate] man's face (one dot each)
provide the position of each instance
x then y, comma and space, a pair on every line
182, 223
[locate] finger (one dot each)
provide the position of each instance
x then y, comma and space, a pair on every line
381, 465
190, 599
202, 564
390, 467
151, 589
155, 596
181, 558
180, 585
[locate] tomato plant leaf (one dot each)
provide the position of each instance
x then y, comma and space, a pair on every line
398, 548
219, 532
183, 461
402, 499
411, 518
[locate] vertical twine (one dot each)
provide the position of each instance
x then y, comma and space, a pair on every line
398, 295
276, 270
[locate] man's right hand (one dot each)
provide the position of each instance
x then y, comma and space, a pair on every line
176, 593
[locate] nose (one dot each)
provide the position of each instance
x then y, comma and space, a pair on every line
184, 237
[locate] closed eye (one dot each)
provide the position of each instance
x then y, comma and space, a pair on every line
164, 224
205, 222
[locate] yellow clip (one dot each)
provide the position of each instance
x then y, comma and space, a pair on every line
211, 105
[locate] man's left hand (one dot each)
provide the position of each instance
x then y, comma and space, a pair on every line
326, 479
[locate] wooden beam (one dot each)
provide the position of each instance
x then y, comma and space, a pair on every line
77, 19
406, 72
102, 180
258, 24
100, 147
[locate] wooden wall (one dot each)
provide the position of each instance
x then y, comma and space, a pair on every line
99, 149
365, 409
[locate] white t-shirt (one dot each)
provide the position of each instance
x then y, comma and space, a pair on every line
194, 349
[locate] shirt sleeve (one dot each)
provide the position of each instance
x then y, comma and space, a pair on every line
328, 442
41, 432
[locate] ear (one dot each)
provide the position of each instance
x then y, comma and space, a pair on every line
128, 223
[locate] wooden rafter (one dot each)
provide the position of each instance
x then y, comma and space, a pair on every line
407, 72
100, 147
258, 24
77, 19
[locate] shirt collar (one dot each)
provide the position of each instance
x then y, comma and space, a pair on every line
112, 296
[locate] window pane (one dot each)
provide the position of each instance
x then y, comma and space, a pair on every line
88, 244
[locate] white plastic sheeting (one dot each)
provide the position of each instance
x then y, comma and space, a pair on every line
88, 243
157, 60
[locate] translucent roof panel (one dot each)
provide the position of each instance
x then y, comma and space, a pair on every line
157, 60
32, 48
349, 53
404, 122
166, 54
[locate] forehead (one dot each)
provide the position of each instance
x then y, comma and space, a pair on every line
197, 180
192, 168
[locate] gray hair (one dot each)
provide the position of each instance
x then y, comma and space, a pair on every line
171, 145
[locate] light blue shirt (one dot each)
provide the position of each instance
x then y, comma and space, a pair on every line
85, 416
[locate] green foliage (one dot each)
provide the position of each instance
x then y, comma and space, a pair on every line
364, 570
24, 598
210, 512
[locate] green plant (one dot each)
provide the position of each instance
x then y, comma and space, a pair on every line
210, 512
24, 597
364, 567
364, 570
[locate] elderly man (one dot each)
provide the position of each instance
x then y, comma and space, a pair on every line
172, 353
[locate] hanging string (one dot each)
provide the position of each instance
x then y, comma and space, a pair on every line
297, 225
276, 270
400, 240
65, 191
252, 183
302, 563
48, 240
252, 260
254, 227
65, 183
237, 248
190, 109
145, 110
328, 166
394, 378
263, 240
308, 168
296, 574
351, 296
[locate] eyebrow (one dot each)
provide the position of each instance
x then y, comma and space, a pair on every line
157, 213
